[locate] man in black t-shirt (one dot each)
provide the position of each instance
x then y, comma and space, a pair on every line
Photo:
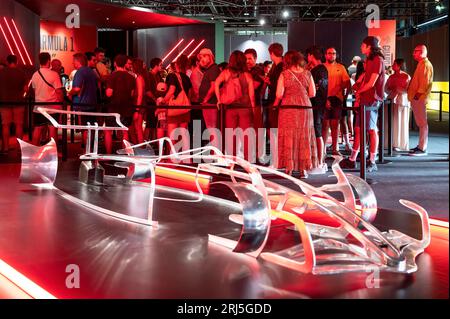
320, 76
258, 76
271, 113
276, 55
207, 94
120, 90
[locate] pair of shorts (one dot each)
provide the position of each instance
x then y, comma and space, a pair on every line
40, 120
318, 114
11, 114
371, 117
126, 120
84, 119
335, 112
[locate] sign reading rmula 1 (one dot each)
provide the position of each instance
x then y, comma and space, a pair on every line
62, 42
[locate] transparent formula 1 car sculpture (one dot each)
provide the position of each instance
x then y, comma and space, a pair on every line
352, 244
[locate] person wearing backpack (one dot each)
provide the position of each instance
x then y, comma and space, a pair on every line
235, 90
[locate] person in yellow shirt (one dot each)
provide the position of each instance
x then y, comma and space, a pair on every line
418, 94
338, 81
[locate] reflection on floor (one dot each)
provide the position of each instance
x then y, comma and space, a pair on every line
42, 234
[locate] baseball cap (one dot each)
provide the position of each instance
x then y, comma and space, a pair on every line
356, 58
372, 41
206, 51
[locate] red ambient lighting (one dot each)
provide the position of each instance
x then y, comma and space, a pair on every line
14, 39
11, 34
196, 48
171, 51
182, 51
21, 41
7, 41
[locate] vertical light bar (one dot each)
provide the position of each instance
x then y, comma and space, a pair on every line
21, 41
14, 39
171, 51
7, 41
196, 48
182, 51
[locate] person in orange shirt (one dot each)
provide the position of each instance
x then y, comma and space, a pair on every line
418, 94
338, 81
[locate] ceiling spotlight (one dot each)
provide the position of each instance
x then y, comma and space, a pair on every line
285, 14
262, 22
107, 19
212, 18
246, 13
225, 21
439, 7
247, 21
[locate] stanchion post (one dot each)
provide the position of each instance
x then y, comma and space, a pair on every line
440, 106
72, 131
222, 112
381, 135
30, 118
390, 127
64, 135
362, 146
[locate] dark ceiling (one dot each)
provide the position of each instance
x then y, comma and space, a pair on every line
248, 13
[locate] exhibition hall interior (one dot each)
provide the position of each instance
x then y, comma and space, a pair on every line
224, 149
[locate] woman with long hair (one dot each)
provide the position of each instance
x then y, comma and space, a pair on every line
297, 149
234, 88
396, 88
178, 92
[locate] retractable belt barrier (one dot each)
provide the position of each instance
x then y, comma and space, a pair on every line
222, 113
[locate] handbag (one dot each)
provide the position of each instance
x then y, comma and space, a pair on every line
181, 100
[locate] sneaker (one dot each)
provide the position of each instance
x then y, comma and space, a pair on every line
319, 170
372, 167
414, 149
303, 175
347, 164
348, 148
418, 152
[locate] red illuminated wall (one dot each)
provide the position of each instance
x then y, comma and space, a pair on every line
387, 35
62, 43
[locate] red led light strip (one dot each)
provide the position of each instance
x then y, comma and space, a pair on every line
14, 39
196, 48
7, 41
171, 51
21, 41
182, 51
24, 283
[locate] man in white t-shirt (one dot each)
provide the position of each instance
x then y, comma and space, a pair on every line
47, 88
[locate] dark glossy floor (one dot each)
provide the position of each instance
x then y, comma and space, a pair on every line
41, 233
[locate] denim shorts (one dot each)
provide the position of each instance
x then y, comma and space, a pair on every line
371, 117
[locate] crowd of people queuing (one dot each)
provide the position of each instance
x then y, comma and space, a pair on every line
264, 93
